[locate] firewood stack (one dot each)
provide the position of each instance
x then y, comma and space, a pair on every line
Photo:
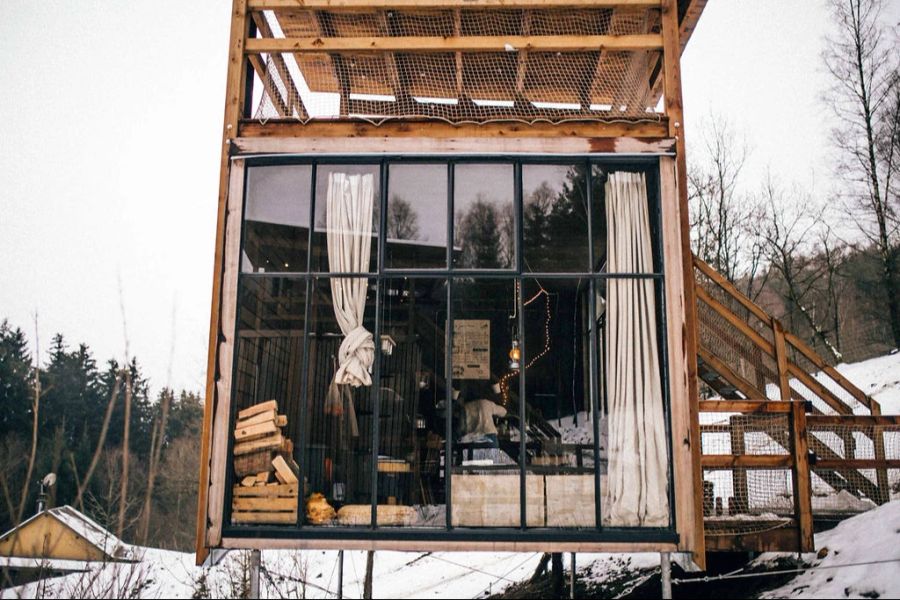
269, 478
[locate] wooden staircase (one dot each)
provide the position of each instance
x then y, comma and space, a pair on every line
766, 387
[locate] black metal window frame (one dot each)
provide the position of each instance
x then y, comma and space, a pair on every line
648, 164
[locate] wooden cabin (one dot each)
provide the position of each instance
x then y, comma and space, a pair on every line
455, 308
58, 541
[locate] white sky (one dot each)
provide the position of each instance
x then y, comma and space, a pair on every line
110, 117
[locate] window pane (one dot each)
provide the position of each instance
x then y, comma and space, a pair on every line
484, 222
411, 482
351, 224
634, 435
557, 379
555, 218
417, 217
269, 360
276, 219
338, 448
485, 471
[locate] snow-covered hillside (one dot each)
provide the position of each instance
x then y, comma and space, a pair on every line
871, 541
868, 537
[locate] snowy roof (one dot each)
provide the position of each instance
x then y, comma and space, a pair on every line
86, 528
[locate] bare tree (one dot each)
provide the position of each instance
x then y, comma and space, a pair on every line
788, 230
402, 220
863, 59
834, 255
156, 444
723, 221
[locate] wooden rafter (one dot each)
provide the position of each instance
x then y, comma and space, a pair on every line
294, 102
272, 91
499, 43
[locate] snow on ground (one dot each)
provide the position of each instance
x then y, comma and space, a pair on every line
866, 538
880, 378
311, 574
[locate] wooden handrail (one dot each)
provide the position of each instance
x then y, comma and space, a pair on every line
747, 406
729, 287
854, 420
776, 350
820, 364
753, 461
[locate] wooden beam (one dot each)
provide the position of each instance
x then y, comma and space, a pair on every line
494, 43
424, 545
736, 321
234, 102
333, 5
852, 420
293, 101
752, 461
747, 406
271, 90
782, 539
675, 117
819, 389
856, 463
732, 291
811, 355
781, 360
437, 130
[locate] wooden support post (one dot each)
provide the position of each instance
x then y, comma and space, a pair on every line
801, 478
234, 104
883, 495
255, 559
781, 360
340, 581
572, 577
665, 574
556, 574
740, 499
691, 521
370, 568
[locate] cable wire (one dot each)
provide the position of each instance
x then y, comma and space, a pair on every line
708, 579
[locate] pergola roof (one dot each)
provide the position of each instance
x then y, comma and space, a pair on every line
461, 60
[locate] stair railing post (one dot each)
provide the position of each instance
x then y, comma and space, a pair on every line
801, 477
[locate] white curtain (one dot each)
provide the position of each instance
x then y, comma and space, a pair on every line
348, 220
638, 475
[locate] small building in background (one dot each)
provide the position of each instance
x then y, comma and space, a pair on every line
56, 542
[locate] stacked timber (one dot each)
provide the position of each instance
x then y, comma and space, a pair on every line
269, 485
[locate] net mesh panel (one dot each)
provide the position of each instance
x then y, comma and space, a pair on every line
746, 500
516, 84
734, 347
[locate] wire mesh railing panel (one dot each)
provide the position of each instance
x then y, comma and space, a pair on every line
401, 79
733, 347
744, 500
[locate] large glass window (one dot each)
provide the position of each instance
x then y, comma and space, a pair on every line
484, 220
276, 219
416, 216
511, 380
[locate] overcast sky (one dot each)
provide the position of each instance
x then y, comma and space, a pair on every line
110, 117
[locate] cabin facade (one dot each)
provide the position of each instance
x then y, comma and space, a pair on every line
454, 303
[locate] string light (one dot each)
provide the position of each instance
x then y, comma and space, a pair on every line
504, 380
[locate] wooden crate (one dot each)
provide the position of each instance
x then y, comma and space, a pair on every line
270, 504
